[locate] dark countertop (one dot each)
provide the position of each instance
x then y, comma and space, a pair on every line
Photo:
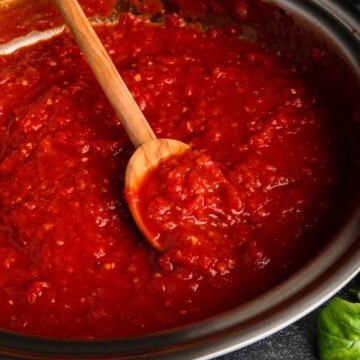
299, 340
295, 342
354, 3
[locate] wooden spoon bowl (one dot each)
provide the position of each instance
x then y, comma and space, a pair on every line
150, 151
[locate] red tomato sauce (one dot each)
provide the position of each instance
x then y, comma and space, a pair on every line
19, 17
72, 262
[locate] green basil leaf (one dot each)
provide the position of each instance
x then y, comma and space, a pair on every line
339, 331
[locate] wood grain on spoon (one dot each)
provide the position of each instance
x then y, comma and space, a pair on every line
149, 150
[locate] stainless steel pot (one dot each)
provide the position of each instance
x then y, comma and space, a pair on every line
325, 23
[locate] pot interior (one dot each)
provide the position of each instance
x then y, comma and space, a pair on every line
326, 47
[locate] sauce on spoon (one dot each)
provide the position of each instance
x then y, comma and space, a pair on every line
150, 151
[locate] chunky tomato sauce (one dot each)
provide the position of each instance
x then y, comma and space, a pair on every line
19, 17
72, 262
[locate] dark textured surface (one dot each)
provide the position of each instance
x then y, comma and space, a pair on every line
297, 341
354, 3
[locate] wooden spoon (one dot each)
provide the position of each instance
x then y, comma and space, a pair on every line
149, 150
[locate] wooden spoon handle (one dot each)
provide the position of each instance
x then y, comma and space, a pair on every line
107, 75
